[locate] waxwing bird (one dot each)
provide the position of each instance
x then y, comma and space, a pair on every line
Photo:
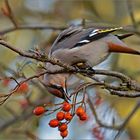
87, 47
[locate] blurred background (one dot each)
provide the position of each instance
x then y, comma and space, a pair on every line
16, 119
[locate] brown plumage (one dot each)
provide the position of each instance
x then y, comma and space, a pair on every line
89, 46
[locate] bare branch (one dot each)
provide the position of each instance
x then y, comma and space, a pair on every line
114, 90
42, 58
31, 27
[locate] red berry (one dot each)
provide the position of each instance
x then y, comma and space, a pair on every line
66, 107
80, 111
23, 87
64, 133
54, 123
63, 127
39, 110
68, 116
83, 117
60, 116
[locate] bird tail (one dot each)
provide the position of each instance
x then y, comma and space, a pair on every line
117, 48
123, 36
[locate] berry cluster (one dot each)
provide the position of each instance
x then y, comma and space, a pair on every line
63, 117
80, 112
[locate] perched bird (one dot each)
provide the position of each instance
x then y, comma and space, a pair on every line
83, 48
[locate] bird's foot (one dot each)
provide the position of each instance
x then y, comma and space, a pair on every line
90, 70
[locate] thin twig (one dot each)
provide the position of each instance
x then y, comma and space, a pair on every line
131, 13
31, 27
23, 116
99, 122
134, 110
11, 15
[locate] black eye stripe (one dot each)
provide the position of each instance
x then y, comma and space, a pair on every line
57, 87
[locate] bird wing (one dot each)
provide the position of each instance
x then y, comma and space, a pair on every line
77, 37
67, 33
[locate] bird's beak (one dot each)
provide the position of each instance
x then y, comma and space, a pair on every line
66, 96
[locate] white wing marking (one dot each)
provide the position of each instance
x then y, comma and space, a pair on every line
94, 32
84, 41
